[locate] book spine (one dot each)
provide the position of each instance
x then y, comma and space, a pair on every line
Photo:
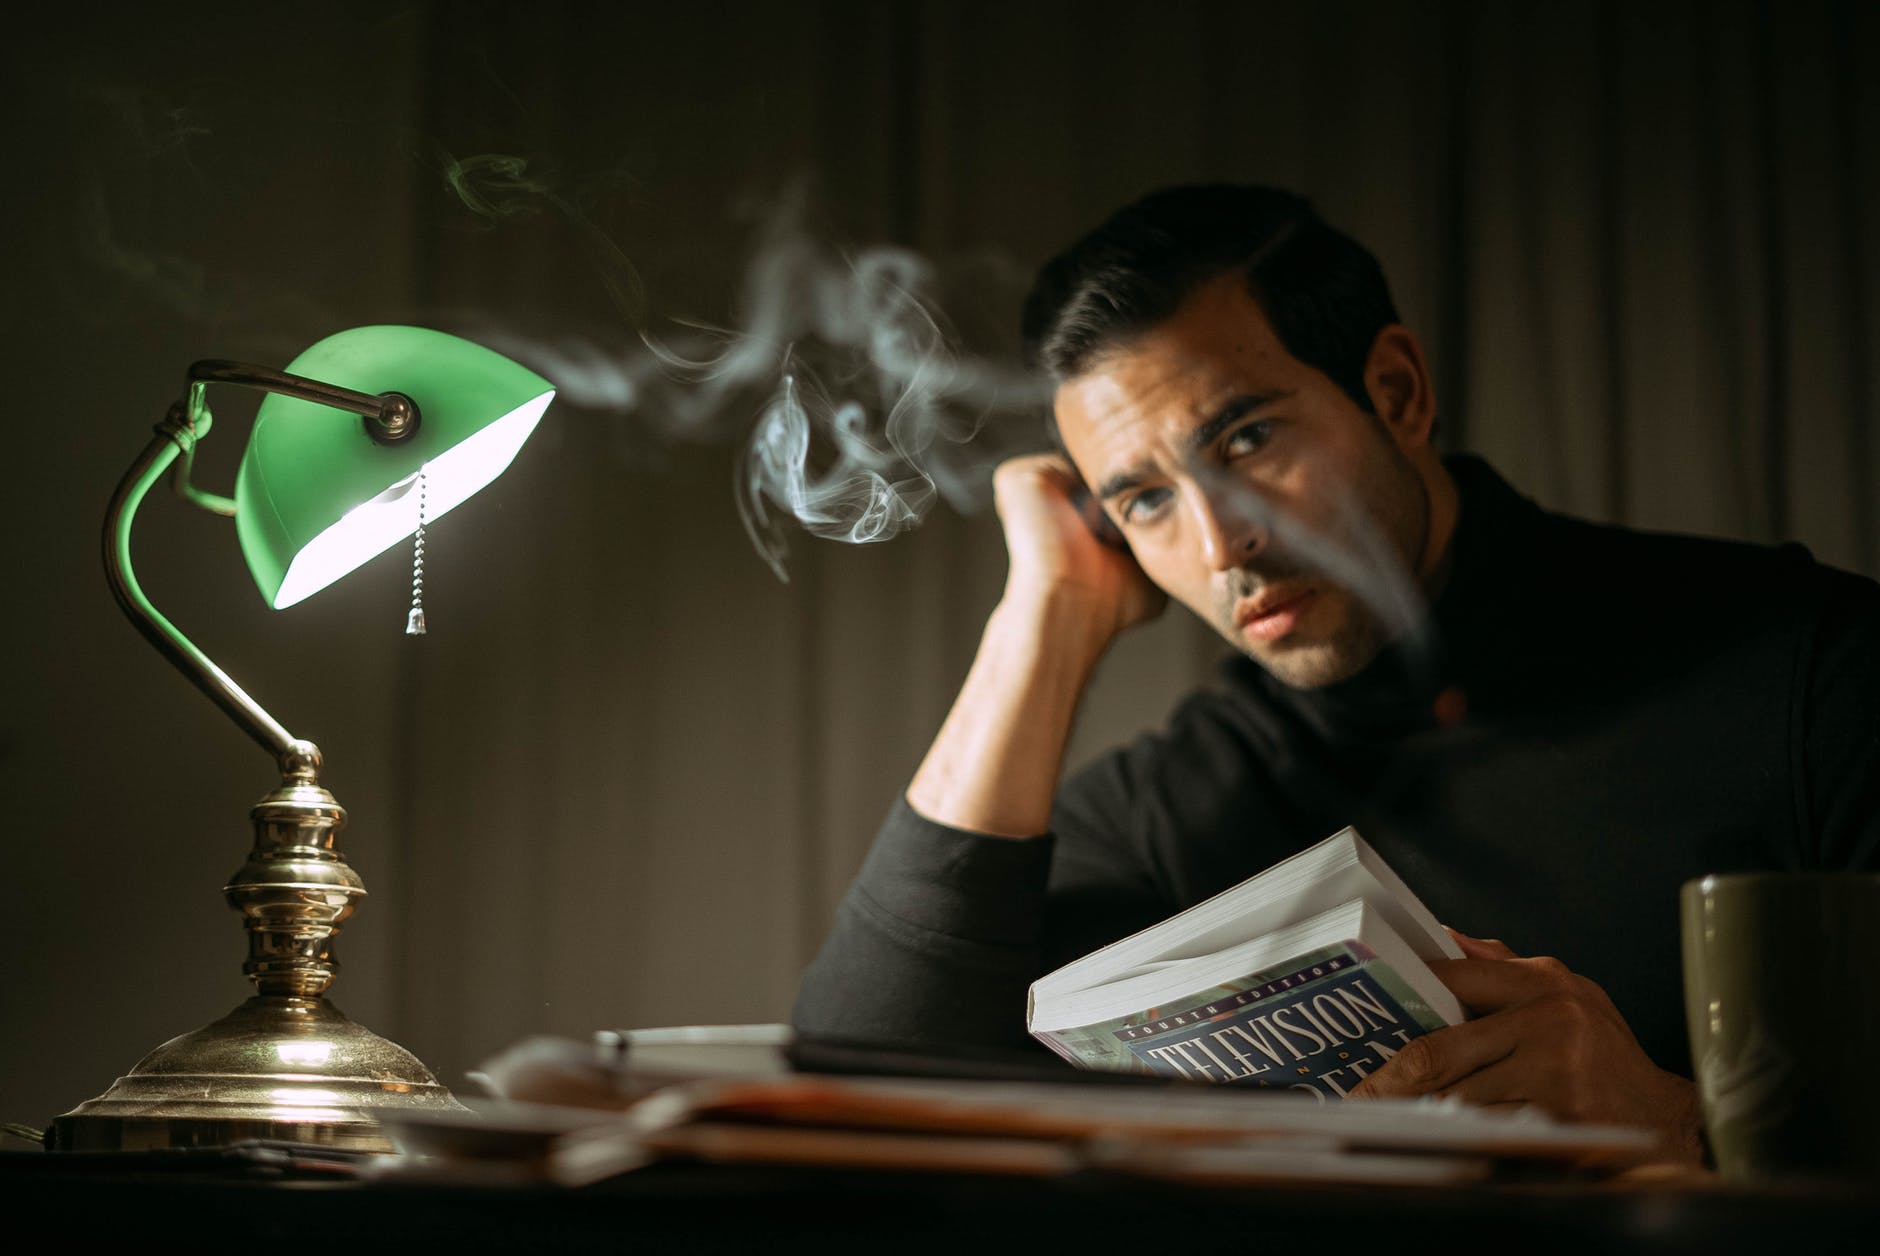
1323, 1036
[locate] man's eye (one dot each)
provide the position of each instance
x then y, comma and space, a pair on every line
1249, 437
1144, 506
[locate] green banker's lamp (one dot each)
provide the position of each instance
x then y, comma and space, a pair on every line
365, 439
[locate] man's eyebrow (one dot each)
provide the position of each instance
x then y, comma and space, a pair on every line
1121, 482
1231, 412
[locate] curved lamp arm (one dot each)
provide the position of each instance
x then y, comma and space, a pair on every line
389, 418
174, 437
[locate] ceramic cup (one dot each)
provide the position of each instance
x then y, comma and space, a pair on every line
1782, 998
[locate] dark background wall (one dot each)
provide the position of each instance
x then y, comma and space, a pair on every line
626, 777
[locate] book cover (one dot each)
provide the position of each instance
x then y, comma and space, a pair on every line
1320, 1024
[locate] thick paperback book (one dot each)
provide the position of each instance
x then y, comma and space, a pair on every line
1308, 976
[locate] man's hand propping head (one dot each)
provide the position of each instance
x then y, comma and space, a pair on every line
1056, 553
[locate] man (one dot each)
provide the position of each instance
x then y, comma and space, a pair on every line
1544, 725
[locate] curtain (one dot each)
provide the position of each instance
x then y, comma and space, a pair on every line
628, 774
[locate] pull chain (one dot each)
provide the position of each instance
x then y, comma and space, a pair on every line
414, 622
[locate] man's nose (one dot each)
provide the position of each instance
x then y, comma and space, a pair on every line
1228, 531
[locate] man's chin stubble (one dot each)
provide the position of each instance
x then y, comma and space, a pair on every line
1315, 666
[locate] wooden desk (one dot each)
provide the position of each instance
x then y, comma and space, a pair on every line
755, 1211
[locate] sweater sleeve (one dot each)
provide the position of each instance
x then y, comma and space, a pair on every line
944, 930
935, 942
1837, 730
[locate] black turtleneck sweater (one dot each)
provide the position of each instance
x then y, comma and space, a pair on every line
1640, 710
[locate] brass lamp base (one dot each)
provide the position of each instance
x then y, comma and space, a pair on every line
277, 1067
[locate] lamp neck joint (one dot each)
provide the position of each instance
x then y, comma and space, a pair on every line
397, 420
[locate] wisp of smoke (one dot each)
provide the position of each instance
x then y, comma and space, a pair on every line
863, 405
871, 407
141, 225
852, 501
139, 143
500, 187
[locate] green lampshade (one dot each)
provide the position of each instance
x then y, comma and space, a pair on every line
317, 496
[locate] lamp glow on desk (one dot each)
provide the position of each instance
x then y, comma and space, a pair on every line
366, 437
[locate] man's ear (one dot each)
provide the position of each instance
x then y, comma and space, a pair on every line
1398, 383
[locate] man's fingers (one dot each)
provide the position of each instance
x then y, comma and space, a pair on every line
1019, 479
1481, 948
1487, 985
1503, 1081
1549, 1038
1428, 1064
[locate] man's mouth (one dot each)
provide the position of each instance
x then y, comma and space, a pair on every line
1272, 616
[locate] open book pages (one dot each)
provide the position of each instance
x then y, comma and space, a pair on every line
1309, 975
1189, 1114
1204, 1133
569, 1112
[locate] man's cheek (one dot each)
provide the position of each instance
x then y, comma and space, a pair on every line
1204, 604
1167, 577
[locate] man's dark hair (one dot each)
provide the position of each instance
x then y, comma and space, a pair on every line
1322, 291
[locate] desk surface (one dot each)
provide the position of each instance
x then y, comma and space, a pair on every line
693, 1208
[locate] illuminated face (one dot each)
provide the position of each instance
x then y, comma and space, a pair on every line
1254, 491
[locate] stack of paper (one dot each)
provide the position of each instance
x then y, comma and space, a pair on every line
607, 1125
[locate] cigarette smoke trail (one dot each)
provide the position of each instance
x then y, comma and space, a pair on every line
864, 463
866, 406
499, 187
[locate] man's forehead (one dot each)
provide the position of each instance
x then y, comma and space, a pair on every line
1179, 374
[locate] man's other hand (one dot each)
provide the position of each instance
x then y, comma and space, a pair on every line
1542, 1036
1056, 553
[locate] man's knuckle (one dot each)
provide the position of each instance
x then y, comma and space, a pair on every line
1594, 996
1549, 967
1419, 1065
1565, 1012
1009, 473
